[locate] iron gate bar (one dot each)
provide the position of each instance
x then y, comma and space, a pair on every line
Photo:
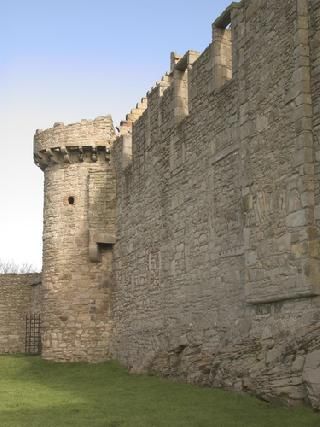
33, 334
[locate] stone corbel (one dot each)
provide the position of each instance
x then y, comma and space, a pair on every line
96, 239
41, 160
94, 155
65, 153
51, 156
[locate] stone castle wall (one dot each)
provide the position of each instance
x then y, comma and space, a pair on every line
216, 263
19, 296
79, 220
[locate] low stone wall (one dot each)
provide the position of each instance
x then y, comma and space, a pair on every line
19, 295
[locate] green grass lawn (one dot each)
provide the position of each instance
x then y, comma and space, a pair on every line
35, 393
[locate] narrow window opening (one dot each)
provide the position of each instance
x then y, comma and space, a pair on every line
71, 200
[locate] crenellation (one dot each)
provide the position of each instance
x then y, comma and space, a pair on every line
180, 75
97, 132
174, 59
79, 232
76, 142
221, 190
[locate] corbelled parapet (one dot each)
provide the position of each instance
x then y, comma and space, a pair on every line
85, 141
78, 236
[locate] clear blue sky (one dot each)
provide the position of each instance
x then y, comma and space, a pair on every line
68, 60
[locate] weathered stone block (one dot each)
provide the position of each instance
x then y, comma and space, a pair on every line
311, 377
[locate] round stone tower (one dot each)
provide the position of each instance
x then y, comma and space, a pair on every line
78, 234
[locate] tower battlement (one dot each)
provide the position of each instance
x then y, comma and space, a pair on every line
181, 83
222, 67
78, 235
85, 141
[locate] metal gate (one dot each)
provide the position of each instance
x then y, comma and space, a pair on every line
33, 334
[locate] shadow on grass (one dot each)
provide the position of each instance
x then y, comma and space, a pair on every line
37, 393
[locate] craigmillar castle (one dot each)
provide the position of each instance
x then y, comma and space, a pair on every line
187, 242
